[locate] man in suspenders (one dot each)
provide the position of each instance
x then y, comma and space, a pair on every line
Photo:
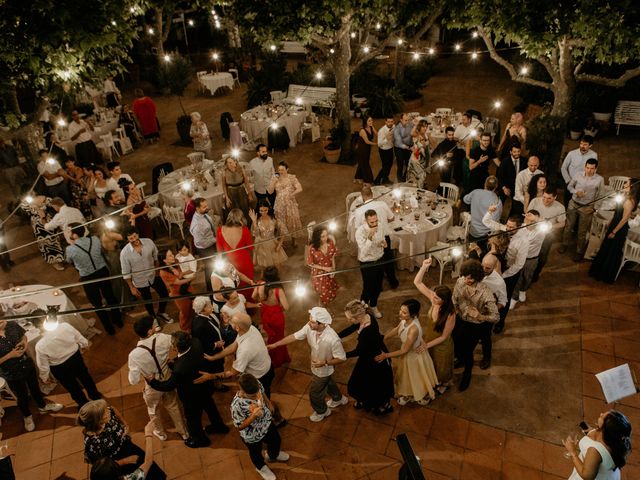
85, 253
149, 359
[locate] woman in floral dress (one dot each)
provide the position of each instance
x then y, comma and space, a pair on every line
420, 156
322, 259
78, 187
48, 243
267, 234
286, 206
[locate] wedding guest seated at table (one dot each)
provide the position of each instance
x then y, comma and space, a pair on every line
64, 217
58, 352
17, 368
453, 156
523, 179
200, 135
80, 132
480, 201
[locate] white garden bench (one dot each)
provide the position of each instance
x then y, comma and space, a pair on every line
627, 113
312, 96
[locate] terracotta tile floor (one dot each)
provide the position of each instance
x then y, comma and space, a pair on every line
586, 325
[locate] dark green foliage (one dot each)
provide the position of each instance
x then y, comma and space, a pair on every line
174, 76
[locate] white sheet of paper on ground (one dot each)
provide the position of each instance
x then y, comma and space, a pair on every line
617, 383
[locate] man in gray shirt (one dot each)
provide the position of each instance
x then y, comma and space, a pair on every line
574, 163
402, 143
480, 201
139, 259
586, 189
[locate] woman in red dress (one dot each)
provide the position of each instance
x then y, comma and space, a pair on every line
322, 259
273, 302
234, 238
145, 111
171, 275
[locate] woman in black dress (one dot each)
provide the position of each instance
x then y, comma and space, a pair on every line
605, 265
371, 383
363, 151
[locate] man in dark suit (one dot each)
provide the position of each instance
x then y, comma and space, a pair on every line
195, 398
506, 173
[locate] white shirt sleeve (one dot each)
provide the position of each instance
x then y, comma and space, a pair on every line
58, 220
489, 222
521, 258
337, 350
42, 360
302, 333
565, 168
134, 370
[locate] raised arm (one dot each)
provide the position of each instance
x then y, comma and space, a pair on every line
417, 281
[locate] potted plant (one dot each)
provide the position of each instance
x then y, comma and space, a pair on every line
332, 145
591, 126
174, 77
576, 125
357, 112
603, 100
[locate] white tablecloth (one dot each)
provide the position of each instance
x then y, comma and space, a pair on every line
214, 81
171, 194
257, 121
99, 129
411, 237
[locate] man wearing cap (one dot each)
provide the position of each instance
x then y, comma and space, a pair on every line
326, 352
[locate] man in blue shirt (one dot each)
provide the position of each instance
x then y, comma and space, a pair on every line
480, 200
85, 253
402, 143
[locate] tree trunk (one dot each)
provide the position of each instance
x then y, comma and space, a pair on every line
563, 94
157, 38
342, 72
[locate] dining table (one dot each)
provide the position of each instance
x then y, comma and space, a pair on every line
208, 184
215, 81
103, 127
257, 121
421, 220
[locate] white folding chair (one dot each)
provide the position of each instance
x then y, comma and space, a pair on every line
617, 182
235, 75
155, 212
201, 87
107, 146
350, 199
277, 96
175, 216
631, 253
450, 192
443, 256
123, 141
597, 232
460, 232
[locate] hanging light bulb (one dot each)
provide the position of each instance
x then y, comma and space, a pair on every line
191, 23
432, 51
28, 199
300, 290
61, 122
219, 264
332, 226
473, 133
167, 58
51, 320
378, 26
474, 34
400, 41
109, 223
235, 152
544, 227
456, 252
416, 56
474, 56
274, 126
215, 56
457, 47
217, 24
186, 185
524, 70
441, 162
298, 101
132, 9
353, 34
397, 193
51, 161
332, 50
151, 31
497, 104
365, 49
319, 75
114, 23
272, 48
619, 198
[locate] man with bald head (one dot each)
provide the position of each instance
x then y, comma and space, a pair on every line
522, 183
498, 287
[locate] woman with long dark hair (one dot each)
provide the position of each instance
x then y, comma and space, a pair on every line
602, 452
607, 262
367, 133
371, 382
268, 237
536, 189
322, 260
273, 302
441, 320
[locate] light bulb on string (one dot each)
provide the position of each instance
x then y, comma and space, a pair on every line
217, 24
167, 58
235, 152
151, 31
51, 320
51, 161
397, 193
298, 101
400, 41
332, 51
457, 47
473, 133
191, 23
474, 56
474, 34
114, 23
109, 224
353, 34
132, 9
272, 48
333, 226
497, 104
215, 56
378, 26
416, 56
619, 198
28, 199
219, 264
544, 227
431, 51
319, 75
456, 252
300, 290
62, 122
274, 126
365, 49
441, 162
186, 186
524, 70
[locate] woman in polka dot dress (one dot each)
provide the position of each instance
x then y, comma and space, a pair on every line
322, 259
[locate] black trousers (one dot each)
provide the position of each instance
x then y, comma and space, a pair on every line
193, 407
208, 264
467, 335
485, 340
269, 197
386, 158
543, 256
273, 441
402, 161
372, 275
161, 290
128, 449
510, 283
27, 383
73, 375
6, 469
266, 380
98, 291
389, 266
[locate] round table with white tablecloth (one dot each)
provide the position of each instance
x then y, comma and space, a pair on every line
408, 235
101, 128
214, 81
211, 189
258, 120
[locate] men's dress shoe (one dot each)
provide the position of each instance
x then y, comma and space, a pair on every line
578, 257
464, 384
498, 328
211, 429
193, 443
484, 364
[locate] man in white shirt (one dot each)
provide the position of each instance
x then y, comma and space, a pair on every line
370, 238
150, 358
64, 217
326, 352
495, 282
587, 189
553, 212
80, 132
54, 176
464, 132
523, 178
575, 161
537, 233
385, 215
203, 231
263, 171
58, 353
385, 149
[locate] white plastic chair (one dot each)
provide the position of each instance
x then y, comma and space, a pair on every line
123, 141
460, 232
617, 182
277, 96
631, 253
175, 216
235, 75
444, 257
350, 199
597, 232
107, 145
450, 191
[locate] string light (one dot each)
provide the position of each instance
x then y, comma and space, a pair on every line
544, 227
332, 51
215, 56
191, 23
474, 56
298, 101
333, 226
51, 161
378, 26
365, 49
400, 41
51, 321
353, 34
274, 126
397, 193
28, 199
109, 223
457, 47
272, 48
132, 9
456, 252
474, 34
235, 152
167, 58
619, 198
441, 162
416, 56
300, 290
431, 51
319, 75
61, 122
219, 264
497, 104
186, 185
114, 23
524, 70
151, 31
473, 133
217, 24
